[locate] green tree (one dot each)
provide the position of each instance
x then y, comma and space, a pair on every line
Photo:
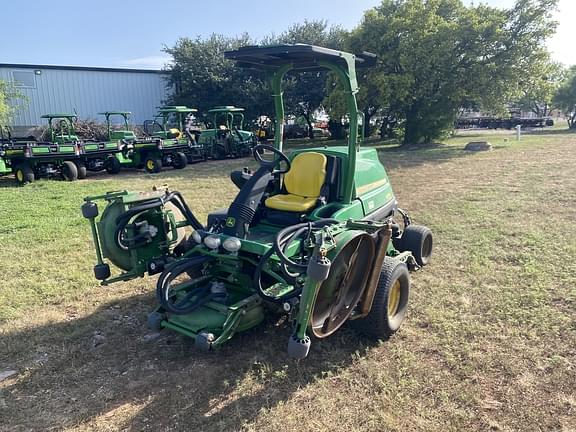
305, 92
7, 93
202, 78
435, 56
370, 99
565, 98
538, 89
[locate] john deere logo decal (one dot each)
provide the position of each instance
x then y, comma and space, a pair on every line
230, 222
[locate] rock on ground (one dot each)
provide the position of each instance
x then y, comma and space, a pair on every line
478, 146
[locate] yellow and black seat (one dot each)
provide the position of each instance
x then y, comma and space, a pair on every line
303, 184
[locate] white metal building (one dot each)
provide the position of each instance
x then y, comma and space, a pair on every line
85, 91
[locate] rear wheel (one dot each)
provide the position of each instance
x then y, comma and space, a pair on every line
153, 165
113, 165
69, 171
24, 174
219, 152
82, 171
418, 240
390, 301
180, 160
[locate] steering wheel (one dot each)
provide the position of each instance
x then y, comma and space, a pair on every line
271, 164
63, 126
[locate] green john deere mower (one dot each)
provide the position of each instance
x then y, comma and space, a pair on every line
58, 157
5, 141
151, 152
178, 124
227, 137
95, 155
316, 235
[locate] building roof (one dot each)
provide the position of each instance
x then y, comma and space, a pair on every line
78, 68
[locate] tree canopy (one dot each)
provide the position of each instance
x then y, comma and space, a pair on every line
538, 89
565, 98
7, 93
305, 92
202, 78
434, 58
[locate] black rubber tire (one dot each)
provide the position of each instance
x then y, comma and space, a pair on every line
180, 160
153, 165
24, 174
417, 239
101, 271
89, 210
113, 165
378, 324
82, 171
69, 171
218, 153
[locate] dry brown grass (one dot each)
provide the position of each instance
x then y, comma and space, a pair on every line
490, 342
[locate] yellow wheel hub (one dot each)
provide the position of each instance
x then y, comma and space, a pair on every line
20, 175
150, 164
394, 299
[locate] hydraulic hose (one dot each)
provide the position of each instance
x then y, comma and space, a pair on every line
193, 299
257, 281
281, 242
124, 218
289, 234
173, 197
180, 203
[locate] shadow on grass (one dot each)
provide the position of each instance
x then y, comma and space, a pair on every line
137, 382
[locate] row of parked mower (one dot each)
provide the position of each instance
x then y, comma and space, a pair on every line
172, 139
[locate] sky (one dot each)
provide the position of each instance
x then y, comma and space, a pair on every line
132, 33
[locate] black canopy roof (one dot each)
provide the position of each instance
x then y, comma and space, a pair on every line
303, 57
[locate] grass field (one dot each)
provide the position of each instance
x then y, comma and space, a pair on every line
489, 343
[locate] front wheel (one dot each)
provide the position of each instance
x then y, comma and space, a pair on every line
113, 165
418, 240
390, 301
153, 165
24, 174
180, 160
82, 171
219, 152
69, 171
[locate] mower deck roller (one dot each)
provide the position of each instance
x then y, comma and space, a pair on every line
314, 235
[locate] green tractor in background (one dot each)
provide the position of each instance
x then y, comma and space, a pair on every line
151, 153
58, 157
227, 138
94, 155
315, 235
178, 123
5, 141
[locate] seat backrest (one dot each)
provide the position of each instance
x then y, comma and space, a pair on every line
307, 174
